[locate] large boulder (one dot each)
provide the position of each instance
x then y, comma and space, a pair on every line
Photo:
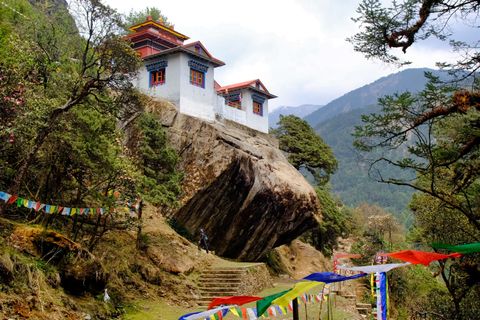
238, 186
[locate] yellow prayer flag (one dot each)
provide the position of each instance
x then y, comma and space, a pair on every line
235, 312
297, 290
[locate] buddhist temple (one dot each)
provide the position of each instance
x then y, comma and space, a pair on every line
184, 74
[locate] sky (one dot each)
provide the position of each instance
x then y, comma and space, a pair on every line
297, 48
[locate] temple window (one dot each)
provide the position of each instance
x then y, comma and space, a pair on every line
234, 100
156, 70
157, 77
197, 73
258, 108
197, 78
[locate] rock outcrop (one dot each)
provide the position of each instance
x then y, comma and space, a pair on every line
238, 186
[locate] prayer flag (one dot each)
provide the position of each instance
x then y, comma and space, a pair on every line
204, 314
329, 277
375, 268
4, 196
421, 257
462, 248
298, 289
251, 314
12, 199
235, 312
263, 304
237, 300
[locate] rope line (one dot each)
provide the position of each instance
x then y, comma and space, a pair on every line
14, 10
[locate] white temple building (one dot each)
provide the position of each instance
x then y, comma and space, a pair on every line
184, 74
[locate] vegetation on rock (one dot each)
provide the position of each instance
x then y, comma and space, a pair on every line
305, 149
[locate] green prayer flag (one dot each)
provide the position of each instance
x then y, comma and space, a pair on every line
262, 305
462, 248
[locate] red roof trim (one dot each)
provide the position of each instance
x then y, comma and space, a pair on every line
216, 62
251, 84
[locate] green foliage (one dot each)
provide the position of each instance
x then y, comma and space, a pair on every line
64, 84
136, 17
437, 134
352, 181
399, 24
305, 149
336, 223
160, 183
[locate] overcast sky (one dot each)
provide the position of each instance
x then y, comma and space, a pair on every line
296, 47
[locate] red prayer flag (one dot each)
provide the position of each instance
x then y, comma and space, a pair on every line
244, 313
421, 257
238, 300
12, 199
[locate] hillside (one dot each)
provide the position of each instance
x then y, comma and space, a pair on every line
336, 122
351, 181
299, 111
407, 80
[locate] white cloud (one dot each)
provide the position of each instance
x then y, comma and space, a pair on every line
297, 48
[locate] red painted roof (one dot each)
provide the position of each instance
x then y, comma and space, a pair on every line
251, 84
158, 25
208, 57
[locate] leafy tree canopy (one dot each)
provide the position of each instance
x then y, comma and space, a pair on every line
135, 17
402, 23
437, 132
305, 148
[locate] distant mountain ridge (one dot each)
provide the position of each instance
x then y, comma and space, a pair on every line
299, 111
335, 123
412, 80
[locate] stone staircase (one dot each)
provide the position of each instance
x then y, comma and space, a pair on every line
364, 309
214, 283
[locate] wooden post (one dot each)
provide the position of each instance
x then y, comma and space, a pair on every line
320, 311
295, 309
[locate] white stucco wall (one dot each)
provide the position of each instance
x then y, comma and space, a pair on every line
192, 100
235, 114
170, 90
255, 121
196, 101
200, 102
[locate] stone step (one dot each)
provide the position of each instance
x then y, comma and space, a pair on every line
349, 296
217, 289
212, 295
219, 285
363, 311
221, 275
219, 280
224, 271
363, 305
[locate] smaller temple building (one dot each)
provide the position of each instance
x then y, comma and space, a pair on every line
184, 74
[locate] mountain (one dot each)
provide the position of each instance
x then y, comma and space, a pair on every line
335, 123
411, 80
351, 182
299, 111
